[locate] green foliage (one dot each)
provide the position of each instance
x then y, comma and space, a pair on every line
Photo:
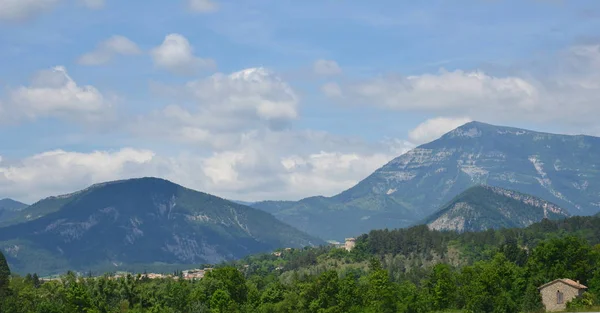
485, 207
4, 277
586, 301
502, 275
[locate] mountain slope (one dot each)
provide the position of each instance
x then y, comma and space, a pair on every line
136, 223
10, 204
559, 168
484, 207
9, 208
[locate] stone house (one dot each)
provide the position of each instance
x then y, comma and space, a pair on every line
557, 293
350, 244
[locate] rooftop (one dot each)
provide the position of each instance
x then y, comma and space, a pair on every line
570, 282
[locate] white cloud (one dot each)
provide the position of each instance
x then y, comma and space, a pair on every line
457, 90
434, 128
37, 176
202, 6
567, 92
273, 167
108, 49
225, 108
326, 68
94, 4
54, 93
18, 10
176, 55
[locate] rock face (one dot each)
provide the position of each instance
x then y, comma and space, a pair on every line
559, 168
133, 224
484, 207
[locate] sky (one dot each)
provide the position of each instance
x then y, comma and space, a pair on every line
275, 99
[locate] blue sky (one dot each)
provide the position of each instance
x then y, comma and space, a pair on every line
325, 91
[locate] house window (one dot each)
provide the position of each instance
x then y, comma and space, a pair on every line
559, 297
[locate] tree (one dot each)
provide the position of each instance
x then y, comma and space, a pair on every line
221, 302
380, 294
443, 287
570, 257
233, 280
4, 277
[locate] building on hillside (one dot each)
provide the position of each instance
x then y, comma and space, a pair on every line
350, 243
557, 293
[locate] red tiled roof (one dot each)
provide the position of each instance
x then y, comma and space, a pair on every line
567, 281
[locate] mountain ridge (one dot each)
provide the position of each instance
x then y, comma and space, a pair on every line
558, 168
485, 207
139, 223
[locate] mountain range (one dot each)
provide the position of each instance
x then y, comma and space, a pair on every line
139, 224
562, 169
475, 177
484, 207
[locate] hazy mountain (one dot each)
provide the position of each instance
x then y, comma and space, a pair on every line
137, 223
559, 168
485, 207
12, 205
242, 202
9, 208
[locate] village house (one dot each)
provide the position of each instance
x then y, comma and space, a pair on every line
350, 243
557, 293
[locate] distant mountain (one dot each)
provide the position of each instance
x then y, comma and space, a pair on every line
139, 224
9, 208
484, 207
242, 202
12, 205
559, 168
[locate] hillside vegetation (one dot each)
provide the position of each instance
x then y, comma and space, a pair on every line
406, 270
484, 207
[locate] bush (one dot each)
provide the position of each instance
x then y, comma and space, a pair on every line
587, 300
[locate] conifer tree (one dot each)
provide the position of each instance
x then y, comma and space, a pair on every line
4, 276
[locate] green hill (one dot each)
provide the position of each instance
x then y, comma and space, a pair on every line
484, 207
137, 223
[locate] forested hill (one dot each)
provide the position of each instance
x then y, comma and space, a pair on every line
139, 224
389, 271
483, 207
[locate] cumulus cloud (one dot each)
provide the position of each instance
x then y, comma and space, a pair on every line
567, 92
36, 177
277, 167
54, 93
202, 6
18, 10
326, 68
108, 49
457, 90
176, 55
225, 108
434, 128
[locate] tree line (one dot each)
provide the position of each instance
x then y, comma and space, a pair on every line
408, 270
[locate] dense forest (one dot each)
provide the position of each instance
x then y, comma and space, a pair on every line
405, 270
